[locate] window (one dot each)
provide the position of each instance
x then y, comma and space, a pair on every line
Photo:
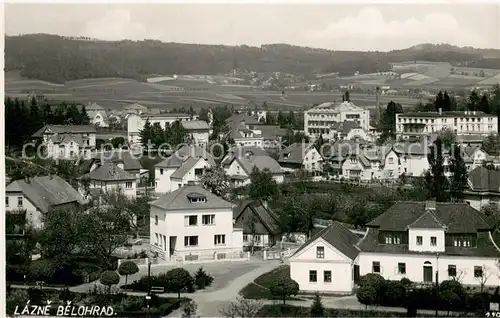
313, 276
128, 185
190, 240
419, 240
392, 239
376, 267
156, 219
221, 256
156, 243
391, 160
19, 201
161, 171
327, 276
245, 238
452, 270
208, 219
198, 172
191, 220
6, 201
191, 257
402, 268
478, 271
433, 240
462, 242
320, 252
219, 239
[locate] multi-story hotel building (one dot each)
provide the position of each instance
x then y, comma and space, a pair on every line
319, 120
418, 124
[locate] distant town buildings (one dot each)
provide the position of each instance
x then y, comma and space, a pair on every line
68, 141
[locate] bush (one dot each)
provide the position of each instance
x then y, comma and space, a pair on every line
128, 268
109, 278
296, 311
284, 287
202, 279
317, 309
179, 279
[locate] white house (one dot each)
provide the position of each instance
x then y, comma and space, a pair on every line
39, 196
412, 159
239, 163
183, 167
301, 156
124, 159
192, 224
326, 263
97, 115
366, 164
109, 177
136, 122
246, 133
198, 130
462, 123
415, 240
68, 141
349, 130
484, 188
319, 120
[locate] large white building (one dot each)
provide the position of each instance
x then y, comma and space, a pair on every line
192, 224
183, 167
136, 122
68, 141
320, 119
415, 240
462, 123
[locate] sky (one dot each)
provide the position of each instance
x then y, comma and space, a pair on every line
359, 27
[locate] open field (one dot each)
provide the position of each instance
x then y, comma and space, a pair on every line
115, 93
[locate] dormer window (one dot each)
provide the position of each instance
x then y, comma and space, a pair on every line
462, 242
196, 198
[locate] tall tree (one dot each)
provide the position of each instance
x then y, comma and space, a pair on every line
459, 178
491, 144
473, 101
146, 134
447, 102
389, 120
484, 104
73, 115
437, 181
84, 117
262, 185
217, 181
439, 101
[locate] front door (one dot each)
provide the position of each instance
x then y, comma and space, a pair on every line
427, 274
356, 274
173, 241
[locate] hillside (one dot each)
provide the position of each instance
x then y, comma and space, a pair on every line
59, 59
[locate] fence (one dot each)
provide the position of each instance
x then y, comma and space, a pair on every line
272, 254
211, 257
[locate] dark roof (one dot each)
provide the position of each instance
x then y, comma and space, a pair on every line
265, 215
61, 129
427, 221
484, 180
250, 157
247, 119
295, 153
178, 200
177, 159
46, 192
339, 237
109, 172
457, 217
346, 126
129, 160
445, 114
485, 246
272, 131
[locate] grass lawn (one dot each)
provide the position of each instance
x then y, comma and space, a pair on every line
296, 311
259, 288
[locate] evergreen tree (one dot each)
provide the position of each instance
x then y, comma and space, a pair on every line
484, 104
389, 120
72, 115
473, 101
146, 133
437, 181
459, 179
84, 117
447, 103
47, 115
60, 114
439, 101
317, 309
157, 135
35, 121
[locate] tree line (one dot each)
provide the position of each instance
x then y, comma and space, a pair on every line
59, 59
23, 119
172, 134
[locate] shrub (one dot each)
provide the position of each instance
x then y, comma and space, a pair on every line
127, 268
189, 308
178, 279
202, 279
454, 287
317, 309
17, 297
367, 295
283, 287
109, 278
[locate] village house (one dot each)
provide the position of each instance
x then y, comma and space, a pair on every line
272, 136
124, 159
420, 241
407, 158
97, 115
245, 131
349, 130
484, 187
108, 177
136, 122
39, 196
192, 224
475, 156
185, 166
67, 141
301, 156
240, 162
198, 130
260, 225
366, 164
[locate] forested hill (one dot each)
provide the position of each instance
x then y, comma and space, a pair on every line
59, 59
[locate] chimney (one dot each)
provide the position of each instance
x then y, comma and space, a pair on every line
264, 204
440, 111
430, 205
